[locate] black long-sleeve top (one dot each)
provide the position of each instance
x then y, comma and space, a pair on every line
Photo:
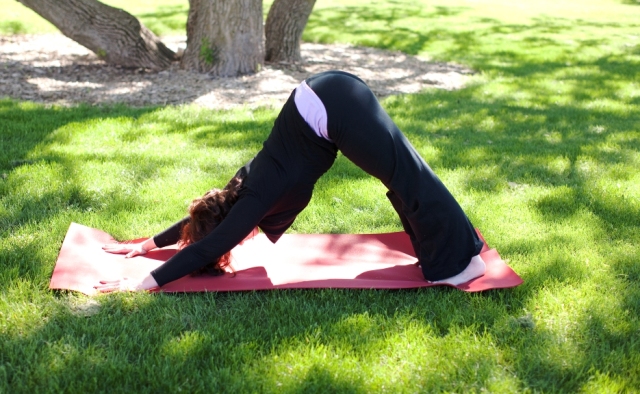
277, 185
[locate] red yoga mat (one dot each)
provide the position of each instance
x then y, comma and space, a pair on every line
296, 261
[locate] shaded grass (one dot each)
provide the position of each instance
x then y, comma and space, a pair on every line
541, 149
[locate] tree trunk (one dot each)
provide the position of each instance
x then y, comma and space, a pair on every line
284, 27
114, 35
224, 37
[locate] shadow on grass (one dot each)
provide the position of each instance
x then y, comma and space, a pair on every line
386, 28
378, 29
325, 340
570, 355
26, 125
240, 342
559, 145
23, 127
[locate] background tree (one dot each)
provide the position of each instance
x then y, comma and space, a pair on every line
224, 37
285, 23
112, 34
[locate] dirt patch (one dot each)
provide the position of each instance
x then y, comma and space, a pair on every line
55, 70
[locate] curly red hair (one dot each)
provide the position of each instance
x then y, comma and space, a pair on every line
206, 213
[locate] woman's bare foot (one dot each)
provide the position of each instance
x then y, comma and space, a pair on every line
475, 269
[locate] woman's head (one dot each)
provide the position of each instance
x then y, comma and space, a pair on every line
206, 213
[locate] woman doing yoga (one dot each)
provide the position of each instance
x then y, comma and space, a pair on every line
328, 112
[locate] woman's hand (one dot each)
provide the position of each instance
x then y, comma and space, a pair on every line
131, 250
126, 284
108, 286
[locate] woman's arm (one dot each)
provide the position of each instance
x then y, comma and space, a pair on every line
170, 236
239, 223
243, 217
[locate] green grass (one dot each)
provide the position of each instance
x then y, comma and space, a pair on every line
162, 16
541, 149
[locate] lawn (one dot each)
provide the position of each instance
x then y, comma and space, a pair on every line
542, 150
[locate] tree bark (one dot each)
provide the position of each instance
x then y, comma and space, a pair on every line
114, 35
224, 37
284, 27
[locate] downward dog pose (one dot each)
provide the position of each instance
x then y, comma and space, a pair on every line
327, 112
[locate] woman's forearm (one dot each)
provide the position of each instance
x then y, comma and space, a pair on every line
148, 245
240, 222
171, 235
148, 283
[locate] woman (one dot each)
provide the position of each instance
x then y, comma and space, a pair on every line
327, 112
